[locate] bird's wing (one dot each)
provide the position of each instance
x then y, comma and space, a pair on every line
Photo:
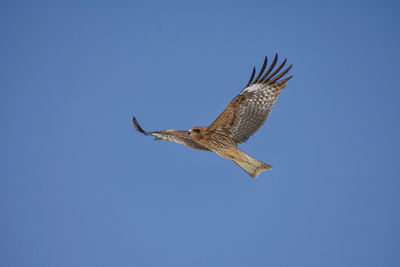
180, 137
248, 111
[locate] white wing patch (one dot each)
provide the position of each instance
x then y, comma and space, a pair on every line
254, 87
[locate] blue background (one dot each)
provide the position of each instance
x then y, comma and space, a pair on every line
80, 187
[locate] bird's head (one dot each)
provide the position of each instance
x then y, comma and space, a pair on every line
196, 133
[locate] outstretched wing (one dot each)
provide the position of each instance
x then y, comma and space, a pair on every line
180, 137
248, 111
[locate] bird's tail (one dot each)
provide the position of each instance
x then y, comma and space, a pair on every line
251, 165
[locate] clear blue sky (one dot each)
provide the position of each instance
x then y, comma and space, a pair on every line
80, 187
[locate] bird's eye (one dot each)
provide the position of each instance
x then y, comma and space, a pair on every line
196, 130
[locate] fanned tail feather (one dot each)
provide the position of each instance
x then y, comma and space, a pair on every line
251, 165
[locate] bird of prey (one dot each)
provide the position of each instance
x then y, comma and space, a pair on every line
243, 116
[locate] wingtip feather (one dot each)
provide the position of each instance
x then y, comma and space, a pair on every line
137, 126
251, 77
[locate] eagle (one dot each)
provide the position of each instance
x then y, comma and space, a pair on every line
242, 117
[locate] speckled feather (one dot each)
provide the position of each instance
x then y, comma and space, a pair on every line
248, 111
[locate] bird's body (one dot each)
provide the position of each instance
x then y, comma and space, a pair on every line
243, 116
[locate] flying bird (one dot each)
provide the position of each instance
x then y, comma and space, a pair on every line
243, 116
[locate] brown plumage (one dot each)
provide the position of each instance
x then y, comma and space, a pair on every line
243, 116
